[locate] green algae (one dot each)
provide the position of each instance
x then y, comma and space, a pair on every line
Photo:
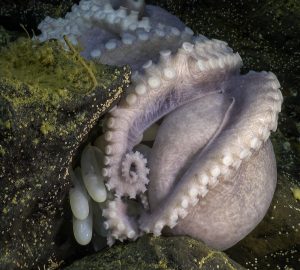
52, 74
296, 193
46, 127
49, 77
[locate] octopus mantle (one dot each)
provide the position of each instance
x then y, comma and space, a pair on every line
211, 172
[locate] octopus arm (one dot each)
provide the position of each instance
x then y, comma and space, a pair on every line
257, 101
119, 32
160, 88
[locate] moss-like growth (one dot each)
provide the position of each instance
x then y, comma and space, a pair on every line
49, 77
52, 74
296, 193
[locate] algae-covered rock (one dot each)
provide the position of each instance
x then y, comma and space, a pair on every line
50, 99
165, 253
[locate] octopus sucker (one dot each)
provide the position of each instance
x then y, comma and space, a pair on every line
119, 223
208, 169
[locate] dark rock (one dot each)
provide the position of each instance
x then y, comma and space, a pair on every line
6, 36
30, 13
273, 20
149, 253
50, 99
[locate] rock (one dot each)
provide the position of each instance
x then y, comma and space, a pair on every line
274, 21
50, 99
157, 253
29, 13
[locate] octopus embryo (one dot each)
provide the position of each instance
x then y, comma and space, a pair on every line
186, 151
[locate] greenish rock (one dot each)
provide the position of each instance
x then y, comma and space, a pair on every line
50, 100
165, 253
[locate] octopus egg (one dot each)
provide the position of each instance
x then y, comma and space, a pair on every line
83, 230
79, 203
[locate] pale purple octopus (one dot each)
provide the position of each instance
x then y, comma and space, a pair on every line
211, 172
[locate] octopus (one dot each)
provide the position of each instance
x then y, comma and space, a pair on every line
209, 171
